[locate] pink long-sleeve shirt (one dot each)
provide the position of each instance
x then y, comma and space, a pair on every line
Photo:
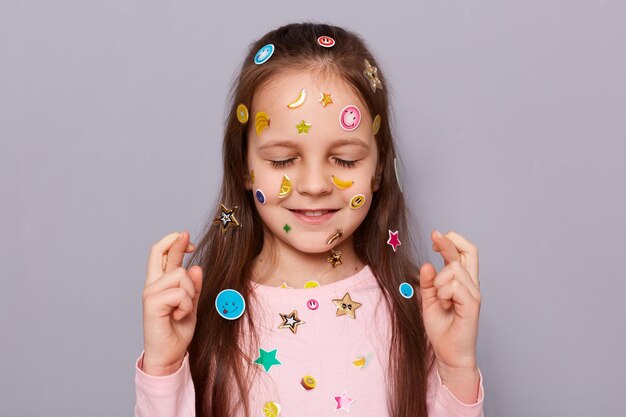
347, 357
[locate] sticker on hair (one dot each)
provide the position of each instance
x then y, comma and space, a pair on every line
406, 290
326, 99
264, 54
226, 219
326, 41
372, 75
395, 167
261, 122
357, 201
341, 184
260, 196
285, 187
242, 114
350, 118
394, 240
303, 127
230, 304
299, 101
376, 125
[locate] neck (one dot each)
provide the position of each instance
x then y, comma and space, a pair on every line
278, 263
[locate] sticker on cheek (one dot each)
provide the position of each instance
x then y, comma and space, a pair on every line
341, 184
349, 118
260, 196
285, 187
357, 201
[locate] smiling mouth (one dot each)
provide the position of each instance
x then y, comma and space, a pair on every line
314, 213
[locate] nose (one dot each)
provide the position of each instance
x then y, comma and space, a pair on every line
313, 180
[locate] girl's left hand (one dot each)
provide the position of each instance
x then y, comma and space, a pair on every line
451, 302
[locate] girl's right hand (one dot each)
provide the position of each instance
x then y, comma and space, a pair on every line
170, 304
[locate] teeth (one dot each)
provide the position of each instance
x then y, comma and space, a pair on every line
315, 213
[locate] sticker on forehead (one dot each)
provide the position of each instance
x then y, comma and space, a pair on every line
349, 118
326, 41
261, 122
299, 101
264, 54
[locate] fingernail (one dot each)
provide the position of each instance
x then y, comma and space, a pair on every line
437, 233
180, 236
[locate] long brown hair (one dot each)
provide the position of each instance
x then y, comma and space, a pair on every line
216, 357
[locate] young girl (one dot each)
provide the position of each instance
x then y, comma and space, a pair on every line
305, 298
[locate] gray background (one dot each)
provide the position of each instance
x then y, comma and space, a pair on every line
511, 117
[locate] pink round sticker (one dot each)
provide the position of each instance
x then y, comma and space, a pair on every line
326, 41
350, 117
312, 304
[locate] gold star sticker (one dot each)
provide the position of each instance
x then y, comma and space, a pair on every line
372, 75
290, 321
325, 99
226, 219
346, 307
303, 127
335, 257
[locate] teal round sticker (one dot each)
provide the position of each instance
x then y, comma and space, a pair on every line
230, 304
406, 290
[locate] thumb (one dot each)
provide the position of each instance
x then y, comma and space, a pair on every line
427, 283
195, 272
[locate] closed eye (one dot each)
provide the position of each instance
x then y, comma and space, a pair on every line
344, 163
283, 163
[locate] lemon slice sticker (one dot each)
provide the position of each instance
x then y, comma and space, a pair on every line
285, 187
271, 409
242, 113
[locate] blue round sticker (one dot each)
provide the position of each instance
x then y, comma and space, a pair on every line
260, 196
264, 54
230, 304
406, 290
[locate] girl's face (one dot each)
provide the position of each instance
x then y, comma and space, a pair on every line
313, 163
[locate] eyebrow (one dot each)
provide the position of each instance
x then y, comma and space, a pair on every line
293, 144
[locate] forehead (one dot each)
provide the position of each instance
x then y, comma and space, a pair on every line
284, 88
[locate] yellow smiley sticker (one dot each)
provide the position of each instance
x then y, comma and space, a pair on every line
357, 201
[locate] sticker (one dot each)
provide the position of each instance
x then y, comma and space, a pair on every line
357, 201
284, 285
393, 240
325, 100
299, 101
261, 122
285, 187
349, 118
312, 304
230, 304
252, 176
271, 409
372, 75
406, 290
362, 361
376, 124
308, 382
303, 127
226, 219
395, 167
344, 402
267, 359
341, 184
335, 257
242, 113
286, 228
260, 196
346, 306
326, 41
290, 321
334, 237
311, 284
264, 54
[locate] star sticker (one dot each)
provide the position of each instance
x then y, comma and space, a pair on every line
226, 219
372, 75
344, 402
393, 240
303, 127
325, 99
335, 257
345, 306
267, 359
290, 321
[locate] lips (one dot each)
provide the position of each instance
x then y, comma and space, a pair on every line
314, 215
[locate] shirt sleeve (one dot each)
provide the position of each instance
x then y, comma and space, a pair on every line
442, 402
170, 395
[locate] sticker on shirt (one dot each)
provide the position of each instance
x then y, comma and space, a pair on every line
346, 306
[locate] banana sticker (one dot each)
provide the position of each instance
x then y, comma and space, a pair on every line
342, 185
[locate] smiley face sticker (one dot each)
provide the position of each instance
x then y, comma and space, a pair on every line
349, 118
264, 54
326, 41
357, 201
230, 304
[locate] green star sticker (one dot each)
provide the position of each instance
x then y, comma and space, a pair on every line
267, 359
303, 127
286, 228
